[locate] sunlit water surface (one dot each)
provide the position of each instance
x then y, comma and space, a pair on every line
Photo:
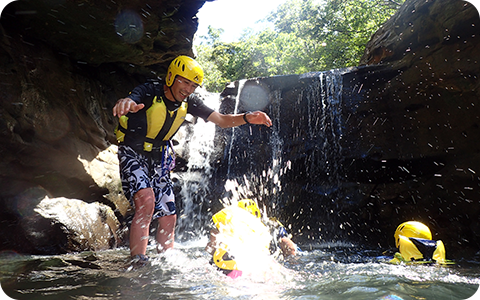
320, 272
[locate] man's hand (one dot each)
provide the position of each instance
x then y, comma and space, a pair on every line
126, 105
259, 118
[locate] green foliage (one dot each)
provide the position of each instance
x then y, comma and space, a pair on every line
308, 35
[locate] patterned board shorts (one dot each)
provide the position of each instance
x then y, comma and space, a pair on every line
139, 171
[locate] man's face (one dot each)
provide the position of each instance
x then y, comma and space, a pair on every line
182, 88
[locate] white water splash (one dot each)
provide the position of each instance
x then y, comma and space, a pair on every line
197, 145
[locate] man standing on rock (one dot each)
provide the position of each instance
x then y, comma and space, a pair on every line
149, 117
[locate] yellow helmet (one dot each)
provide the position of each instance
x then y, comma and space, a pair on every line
186, 67
250, 206
224, 260
412, 229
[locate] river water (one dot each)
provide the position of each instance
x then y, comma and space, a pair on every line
322, 271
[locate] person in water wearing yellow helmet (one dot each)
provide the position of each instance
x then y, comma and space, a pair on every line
148, 118
414, 242
241, 226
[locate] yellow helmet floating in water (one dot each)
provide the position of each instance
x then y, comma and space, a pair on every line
186, 67
250, 206
412, 229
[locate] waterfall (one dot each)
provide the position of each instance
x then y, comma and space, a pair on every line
261, 184
324, 123
296, 162
290, 169
323, 164
197, 147
241, 84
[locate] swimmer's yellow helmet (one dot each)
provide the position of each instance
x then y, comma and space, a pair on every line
412, 229
223, 260
250, 206
186, 67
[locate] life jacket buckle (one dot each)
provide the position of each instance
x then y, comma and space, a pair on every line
147, 147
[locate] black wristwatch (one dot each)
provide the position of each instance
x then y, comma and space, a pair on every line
245, 117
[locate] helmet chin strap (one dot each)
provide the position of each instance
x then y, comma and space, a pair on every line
176, 103
170, 89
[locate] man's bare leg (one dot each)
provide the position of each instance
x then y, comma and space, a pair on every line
166, 232
139, 230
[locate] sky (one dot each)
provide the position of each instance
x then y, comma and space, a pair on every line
234, 16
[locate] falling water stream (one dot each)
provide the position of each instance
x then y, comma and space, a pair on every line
322, 270
195, 181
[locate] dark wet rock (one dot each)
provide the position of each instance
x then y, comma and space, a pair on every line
399, 144
142, 33
63, 65
428, 113
60, 225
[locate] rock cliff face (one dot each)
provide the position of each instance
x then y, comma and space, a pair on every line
426, 114
352, 154
356, 152
63, 65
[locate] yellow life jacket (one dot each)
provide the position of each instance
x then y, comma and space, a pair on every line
420, 251
161, 123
